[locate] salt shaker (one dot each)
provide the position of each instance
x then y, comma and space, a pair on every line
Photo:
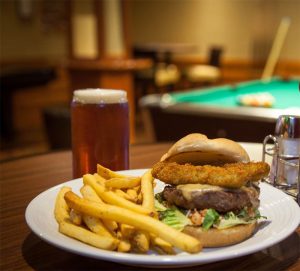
285, 166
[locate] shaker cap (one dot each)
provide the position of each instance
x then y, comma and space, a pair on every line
288, 126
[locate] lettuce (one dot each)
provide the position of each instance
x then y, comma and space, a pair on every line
230, 219
159, 206
211, 218
172, 217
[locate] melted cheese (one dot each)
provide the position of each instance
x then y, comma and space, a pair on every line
188, 189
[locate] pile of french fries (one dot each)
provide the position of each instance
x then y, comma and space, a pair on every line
116, 212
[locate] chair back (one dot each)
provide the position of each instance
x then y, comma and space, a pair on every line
215, 55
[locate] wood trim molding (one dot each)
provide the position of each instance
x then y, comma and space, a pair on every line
70, 54
125, 6
100, 28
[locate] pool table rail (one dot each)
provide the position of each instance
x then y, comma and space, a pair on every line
168, 120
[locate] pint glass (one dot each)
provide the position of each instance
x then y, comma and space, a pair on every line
100, 130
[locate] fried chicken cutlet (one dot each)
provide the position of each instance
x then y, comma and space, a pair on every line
233, 175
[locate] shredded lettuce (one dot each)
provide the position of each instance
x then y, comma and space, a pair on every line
258, 215
159, 206
211, 217
159, 197
230, 219
172, 217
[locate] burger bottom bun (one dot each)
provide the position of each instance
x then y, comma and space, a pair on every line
220, 238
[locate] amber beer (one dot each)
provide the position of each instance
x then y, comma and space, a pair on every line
100, 130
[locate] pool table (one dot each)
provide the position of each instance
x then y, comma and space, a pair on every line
216, 111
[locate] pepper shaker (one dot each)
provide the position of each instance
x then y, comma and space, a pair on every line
286, 160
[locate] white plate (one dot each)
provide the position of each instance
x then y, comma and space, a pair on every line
281, 210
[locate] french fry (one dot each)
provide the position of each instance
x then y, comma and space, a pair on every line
141, 241
75, 217
162, 244
127, 231
108, 174
129, 196
147, 191
119, 235
91, 180
132, 195
122, 183
137, 188
90, 194
95, 225
88, 237
139, 198
110, 225
123, 194
139, 221
124, 246
61, 209
112, 198
100, 179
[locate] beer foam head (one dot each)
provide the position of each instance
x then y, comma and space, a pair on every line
98, 95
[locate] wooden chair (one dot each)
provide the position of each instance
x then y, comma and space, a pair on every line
206, 73
160, 78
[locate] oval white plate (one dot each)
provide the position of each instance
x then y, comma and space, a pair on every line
281, 210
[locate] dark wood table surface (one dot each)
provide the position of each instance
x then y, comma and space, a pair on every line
23, 179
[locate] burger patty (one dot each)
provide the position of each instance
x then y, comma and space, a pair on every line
222, 200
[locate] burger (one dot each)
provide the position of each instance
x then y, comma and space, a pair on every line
211, 190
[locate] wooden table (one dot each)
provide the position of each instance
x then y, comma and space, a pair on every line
23, 179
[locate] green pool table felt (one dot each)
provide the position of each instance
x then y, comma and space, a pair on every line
285, 92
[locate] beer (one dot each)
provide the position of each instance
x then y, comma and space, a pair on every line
100, 130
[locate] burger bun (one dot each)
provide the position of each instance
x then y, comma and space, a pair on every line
197, 149
219, 238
